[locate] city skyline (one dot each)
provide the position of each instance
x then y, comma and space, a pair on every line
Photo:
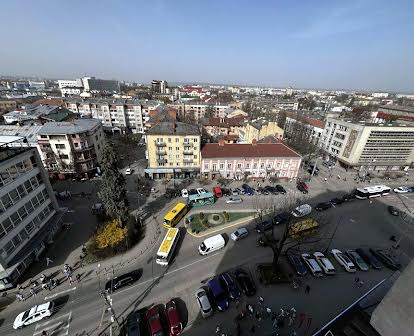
361, 45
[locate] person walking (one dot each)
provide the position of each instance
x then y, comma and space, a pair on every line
78, 277
307, 289
48, 261
33, 292
70, 279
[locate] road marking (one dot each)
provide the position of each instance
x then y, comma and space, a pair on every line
60, 293
60, 328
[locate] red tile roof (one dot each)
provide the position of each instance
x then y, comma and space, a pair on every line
225, 122
387, 116
307, 120
214, 150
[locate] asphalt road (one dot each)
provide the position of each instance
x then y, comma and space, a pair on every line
360, 223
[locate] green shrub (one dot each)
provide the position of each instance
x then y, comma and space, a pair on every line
226, 216
201, 215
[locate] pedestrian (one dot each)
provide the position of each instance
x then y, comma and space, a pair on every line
325, 179
307, 289
253, 329
78, 277
32, 292
70, 279
356, 280
44, 333
48, 261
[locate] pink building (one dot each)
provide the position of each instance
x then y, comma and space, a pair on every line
255, 160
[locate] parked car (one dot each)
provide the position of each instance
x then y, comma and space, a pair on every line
128, 171
34, 314
369, 258
203, 302
217, 191
184, 193
297, 264
133, 323
324, 263
393, 210
245, 282
323, 206
264, 225
154, 323
301, 186
336, 201
263, 191
349, 197
343, 260
240, 233
357, 260
302, 210
248, 190
271, 190
281, 218
122, 281
402, 190
234, 192
201, 191
230, 286
386, 258
234, 199
174, 321
280, 189
219, 295
226, 192
312, 264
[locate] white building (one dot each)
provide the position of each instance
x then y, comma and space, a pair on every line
28, 207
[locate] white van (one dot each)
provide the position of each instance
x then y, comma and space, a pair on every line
312, 264
211, 244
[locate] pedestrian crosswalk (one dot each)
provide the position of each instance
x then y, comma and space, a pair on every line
58, 326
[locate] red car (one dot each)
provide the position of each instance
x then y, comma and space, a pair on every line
173, 318
154, 322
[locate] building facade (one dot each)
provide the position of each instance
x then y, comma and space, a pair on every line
259, 129
28, 208
373, 146
315, 128
236, 161
73, 148
198, 109
216, 127
173, 151
117, 115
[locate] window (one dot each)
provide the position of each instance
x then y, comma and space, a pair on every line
28, 186
177, 139
8, 248
14, 195
29, 207
229, 166
195, 156
177, 156
22, 212
29, 227
43, 136
255, 165
60, 146
15, 218
239, 165
262, 165
7, 224
221, 165
64, 156
7, 203
177, 148
23, 234
169, 139
169, 148
195, 140
2, 232
76, 144
206, 166
248, 165
16, 240
186, 140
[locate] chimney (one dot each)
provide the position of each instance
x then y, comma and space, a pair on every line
254, 142
221, 142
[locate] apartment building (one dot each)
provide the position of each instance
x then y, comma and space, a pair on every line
387, 146
216, 127
117, 115
315, 127
173, 151
87, 86
258, 129
235, 161
198, 109
72, 148
159, 86
29, 216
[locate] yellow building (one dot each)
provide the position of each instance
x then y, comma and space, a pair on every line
258, 130
173, 151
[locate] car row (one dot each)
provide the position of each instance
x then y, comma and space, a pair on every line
335, 202
222, 289
267, 224
362, 259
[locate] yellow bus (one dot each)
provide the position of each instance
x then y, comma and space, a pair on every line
175, 215
305, 227
167, 247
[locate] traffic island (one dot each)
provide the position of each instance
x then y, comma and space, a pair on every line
201, 223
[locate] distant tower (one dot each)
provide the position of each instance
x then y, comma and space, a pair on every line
289, 91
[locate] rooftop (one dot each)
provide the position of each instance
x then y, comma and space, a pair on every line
395, 123
215, 150
306, 120
224, 122
174, 128
72, 127
9, 132
409, 109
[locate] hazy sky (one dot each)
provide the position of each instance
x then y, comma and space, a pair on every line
302, 43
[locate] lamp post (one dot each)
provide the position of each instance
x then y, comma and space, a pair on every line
314, 167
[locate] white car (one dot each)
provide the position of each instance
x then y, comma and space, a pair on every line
302, 210
184, 193
128, 171
402, 190
234, 192
324, 262
344, 261
234, 199
240, 233
34, 314
312, 264
203, 303
201, 191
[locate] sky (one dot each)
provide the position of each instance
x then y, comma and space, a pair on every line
355, 44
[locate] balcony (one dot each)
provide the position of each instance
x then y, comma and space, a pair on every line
161, 161
188, 160
188, 152
160, 144
82, 148
161, 152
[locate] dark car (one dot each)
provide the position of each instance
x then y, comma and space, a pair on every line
349, 197
230, 286
280, 189
323, 206
393, 210
302, 187
154, 321
386, 258
264, 226
122, 280
174, 321
248, 189
263, 191
271, 190
297, 264
133, 324
219, 295
245, 282
336, 201
226, 192
369, 258
315, 172
281, 218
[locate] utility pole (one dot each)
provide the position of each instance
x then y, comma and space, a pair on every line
108, 302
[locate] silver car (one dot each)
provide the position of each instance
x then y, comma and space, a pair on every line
233, 200
240, 233
204, 303
356, 258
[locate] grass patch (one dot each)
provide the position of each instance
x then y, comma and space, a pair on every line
200, 222
233, 216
